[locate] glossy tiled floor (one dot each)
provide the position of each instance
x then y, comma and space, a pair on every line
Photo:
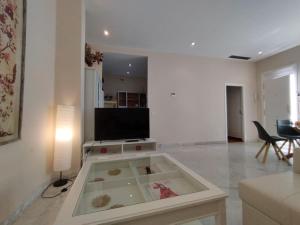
222, 164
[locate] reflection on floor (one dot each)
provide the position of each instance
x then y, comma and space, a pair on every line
222, 164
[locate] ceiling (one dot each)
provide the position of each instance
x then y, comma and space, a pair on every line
124, 65
219, 28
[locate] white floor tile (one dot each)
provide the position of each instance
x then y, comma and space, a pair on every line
222, 164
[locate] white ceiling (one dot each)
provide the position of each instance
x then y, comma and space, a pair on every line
219, 27
118, 64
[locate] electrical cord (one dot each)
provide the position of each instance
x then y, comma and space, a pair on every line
61, 191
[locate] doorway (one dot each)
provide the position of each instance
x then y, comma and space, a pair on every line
279, 98
235, 113
125, 80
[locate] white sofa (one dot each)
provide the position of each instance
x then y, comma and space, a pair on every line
271, 200
274, 199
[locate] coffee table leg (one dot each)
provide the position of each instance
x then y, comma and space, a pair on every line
221, 216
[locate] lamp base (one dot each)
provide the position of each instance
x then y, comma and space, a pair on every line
60, 182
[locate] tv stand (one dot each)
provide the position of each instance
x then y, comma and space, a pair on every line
112, 148
133, 140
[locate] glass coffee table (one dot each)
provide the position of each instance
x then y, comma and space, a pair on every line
141, 189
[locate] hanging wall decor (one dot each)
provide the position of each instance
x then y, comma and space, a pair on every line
12, 53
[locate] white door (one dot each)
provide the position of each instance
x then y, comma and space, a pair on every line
234, 112
277, 102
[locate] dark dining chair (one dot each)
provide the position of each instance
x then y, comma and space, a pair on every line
269, 140
287, 131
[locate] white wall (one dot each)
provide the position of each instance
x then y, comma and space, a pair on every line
25, 165
114, 83
197, 112
278, 61
69, 73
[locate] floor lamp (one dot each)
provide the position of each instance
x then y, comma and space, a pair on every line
63, 142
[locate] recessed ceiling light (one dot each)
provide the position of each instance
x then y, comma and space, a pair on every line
193, 44
106, 32
129, 64
128, 72
260, 52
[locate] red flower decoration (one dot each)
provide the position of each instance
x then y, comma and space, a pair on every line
6, 56
2, 18
9, 11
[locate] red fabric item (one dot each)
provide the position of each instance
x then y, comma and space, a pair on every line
103, 150
165, 192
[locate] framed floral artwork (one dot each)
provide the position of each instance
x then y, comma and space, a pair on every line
12, 53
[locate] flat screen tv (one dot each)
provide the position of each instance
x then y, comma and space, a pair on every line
121, 123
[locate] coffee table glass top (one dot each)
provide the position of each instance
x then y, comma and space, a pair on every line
121, 183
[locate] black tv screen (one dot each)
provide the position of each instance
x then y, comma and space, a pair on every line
121, 123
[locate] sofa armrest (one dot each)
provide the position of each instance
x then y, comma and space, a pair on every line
296, 161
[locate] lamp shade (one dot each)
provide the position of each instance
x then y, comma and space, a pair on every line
63, 138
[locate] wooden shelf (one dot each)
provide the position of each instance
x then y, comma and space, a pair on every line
131, 100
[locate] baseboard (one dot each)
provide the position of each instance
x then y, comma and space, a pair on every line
186, 144
253, 140
14, 216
